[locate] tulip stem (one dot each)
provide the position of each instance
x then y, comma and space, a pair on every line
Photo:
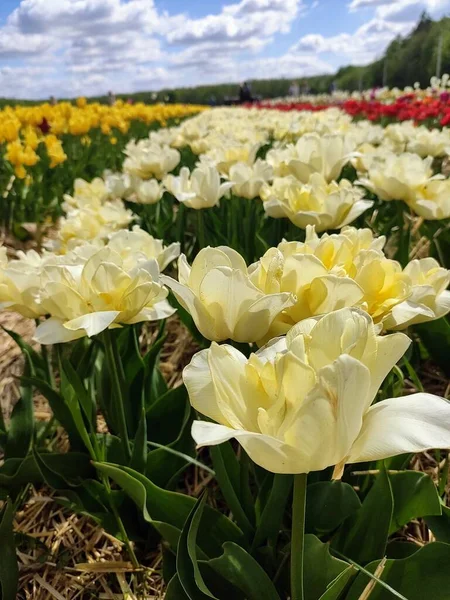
201, 229
298, 536
118, 382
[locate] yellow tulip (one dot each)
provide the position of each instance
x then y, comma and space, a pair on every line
429, 298
138, 246
399, 177
313, 153
344, 270
20, 282
87, 299
303, 403
147, 159
325, 205
222, 300
432, 200
200, 189
249, 179
148, 191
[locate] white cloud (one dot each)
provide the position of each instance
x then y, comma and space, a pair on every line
14, 44
74, 17
357, 4
402, 11
360, 47
249, 18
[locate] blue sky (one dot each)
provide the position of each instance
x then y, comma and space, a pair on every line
74, 47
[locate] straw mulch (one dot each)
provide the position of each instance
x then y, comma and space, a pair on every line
66, 556
62, 555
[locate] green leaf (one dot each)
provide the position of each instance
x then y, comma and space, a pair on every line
241, 569
3, 430
415, 495
158, 384
157, 504
185, 457
363, 537
9, 571
84, 398
399, 549
60, 471
272, 515
440, 526
227, 474
16, 472
336, 587
21, 426
69, 394
36, 360
425, 574
328, 504
166, 417
150, 361
187, 565
320, 568
175, 590
169, 425
435, 336
139, 455
169, 568
59, 408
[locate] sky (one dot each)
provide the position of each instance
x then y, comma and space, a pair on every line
68, 48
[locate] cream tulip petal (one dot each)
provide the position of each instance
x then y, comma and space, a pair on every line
305, 218
228, 293
266, 451
407, 312
183, 294
136, 299
235, 395
330, 418
205, 261
52, 331
158, 312
256, 320
235, 259
398, 425
442, 304
390, 350
273, 208
300, 270
198, 381
151, 266
168, 255
184, 270
356, 210
269, 351
332, 293
93, 323
303, 327
339, 332
189, 302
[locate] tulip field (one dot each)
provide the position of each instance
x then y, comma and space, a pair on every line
234, 344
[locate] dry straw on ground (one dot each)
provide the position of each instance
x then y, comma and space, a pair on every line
67, 556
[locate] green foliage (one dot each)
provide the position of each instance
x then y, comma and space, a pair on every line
321, 569
328, 504
9, 571
364, 536
425, 574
